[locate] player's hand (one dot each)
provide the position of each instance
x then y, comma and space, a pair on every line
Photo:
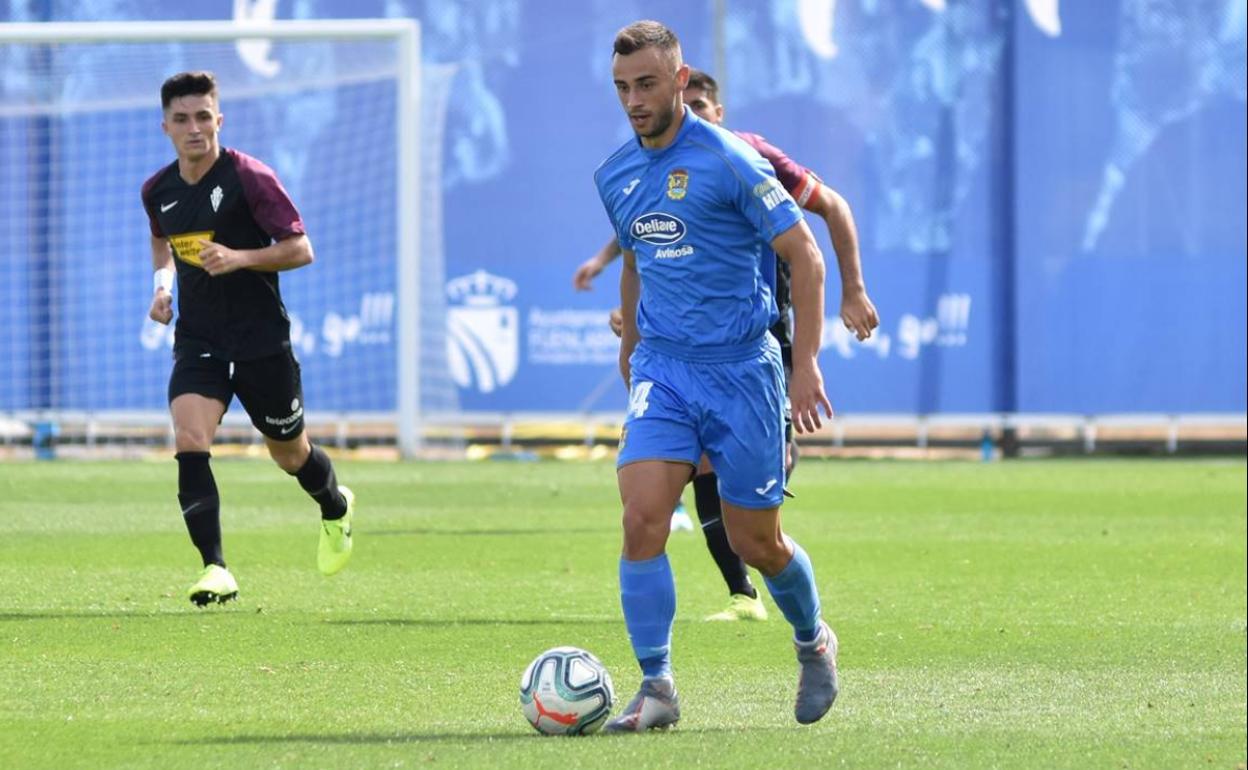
583, 278
219, 260
161, 310
806, 395
858, 314
616, 321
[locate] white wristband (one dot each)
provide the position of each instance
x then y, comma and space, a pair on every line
162, 279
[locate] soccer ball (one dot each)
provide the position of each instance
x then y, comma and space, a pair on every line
566, 691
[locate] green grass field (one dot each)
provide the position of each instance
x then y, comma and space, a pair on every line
1037, 614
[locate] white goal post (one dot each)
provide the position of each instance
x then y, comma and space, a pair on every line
43, 67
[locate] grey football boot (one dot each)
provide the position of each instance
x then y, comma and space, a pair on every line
816, 684
656, 706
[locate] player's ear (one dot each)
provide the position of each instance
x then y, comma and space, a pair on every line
682, 77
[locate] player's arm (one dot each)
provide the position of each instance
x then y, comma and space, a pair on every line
286, 254
584, 276
797, 246
275, 213
630, 293
161, 310
857, 311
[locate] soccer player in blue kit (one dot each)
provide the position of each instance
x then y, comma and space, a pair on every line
694, 207
858, 314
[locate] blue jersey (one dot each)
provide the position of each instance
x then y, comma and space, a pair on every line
698, 215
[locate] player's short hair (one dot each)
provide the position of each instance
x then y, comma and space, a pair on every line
647, 34
199, 83
705, 83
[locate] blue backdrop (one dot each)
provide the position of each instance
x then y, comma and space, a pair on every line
1050, 201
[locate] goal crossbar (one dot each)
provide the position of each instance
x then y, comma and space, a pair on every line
165, 31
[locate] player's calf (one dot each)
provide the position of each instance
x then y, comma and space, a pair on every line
316, 476
201, 505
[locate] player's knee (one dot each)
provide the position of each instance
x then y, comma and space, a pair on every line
644, 518
645, 531
286, 462
764, 552
290, 455
192, 438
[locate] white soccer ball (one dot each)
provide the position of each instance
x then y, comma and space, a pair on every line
566, 691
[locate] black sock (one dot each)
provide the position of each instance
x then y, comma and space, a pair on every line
201, 507
318, 480
706, 498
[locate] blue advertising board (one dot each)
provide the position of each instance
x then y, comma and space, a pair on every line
1049, 200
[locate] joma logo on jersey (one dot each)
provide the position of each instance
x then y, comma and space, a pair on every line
658, 228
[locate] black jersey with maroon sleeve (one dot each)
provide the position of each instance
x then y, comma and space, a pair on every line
801, 183
239, 204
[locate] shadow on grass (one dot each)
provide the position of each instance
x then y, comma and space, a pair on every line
353, 738
199, 615
190, 613
448, 622
487, 532
383, 738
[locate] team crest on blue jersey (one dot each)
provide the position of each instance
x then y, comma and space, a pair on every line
677, 184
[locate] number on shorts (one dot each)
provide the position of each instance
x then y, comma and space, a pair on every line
639, 399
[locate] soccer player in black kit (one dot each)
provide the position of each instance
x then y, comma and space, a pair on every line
225, 223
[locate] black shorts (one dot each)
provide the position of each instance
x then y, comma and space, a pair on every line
270, 389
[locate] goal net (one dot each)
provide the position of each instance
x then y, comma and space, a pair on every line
334, 107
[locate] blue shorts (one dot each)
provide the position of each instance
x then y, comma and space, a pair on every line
733, 412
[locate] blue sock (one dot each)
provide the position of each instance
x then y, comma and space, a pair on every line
648, 595
793, 589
